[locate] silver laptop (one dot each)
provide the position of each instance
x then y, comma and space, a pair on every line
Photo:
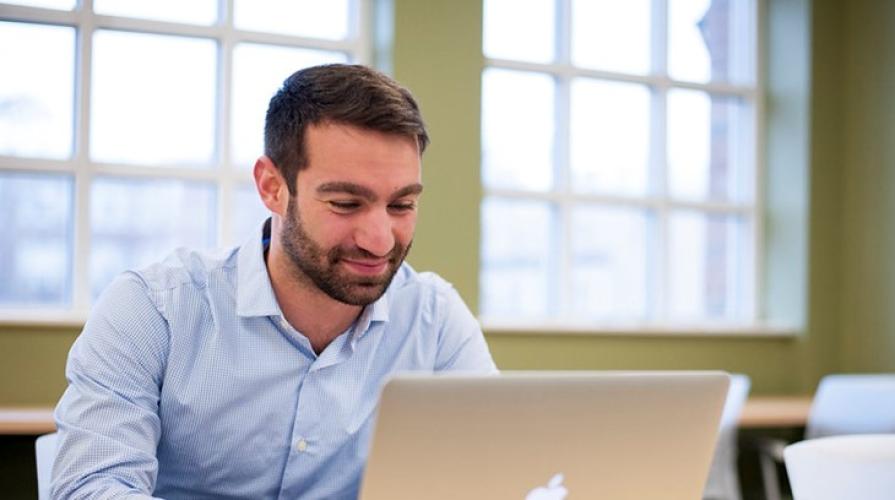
545, 436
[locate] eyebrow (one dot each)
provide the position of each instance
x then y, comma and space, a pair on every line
365, 192
408, 190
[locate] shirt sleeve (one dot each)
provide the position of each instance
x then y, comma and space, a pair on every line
107, 419
462, 345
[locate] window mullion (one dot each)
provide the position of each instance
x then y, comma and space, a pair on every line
659, 257
562, 240
224, 163
82, 245
659, 40
82, 166
28, 14
562, 206
759, 307
225, 14
660, 254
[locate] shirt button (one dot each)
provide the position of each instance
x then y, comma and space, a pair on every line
302, 445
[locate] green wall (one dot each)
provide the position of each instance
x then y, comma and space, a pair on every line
868, 178
32, 364
817, 351
849, 323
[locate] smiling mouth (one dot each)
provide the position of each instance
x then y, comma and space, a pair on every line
367, 268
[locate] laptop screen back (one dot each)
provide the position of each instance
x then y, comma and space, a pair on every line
545, 435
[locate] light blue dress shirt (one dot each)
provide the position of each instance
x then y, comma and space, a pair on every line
187, 382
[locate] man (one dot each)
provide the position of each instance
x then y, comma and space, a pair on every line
254, 373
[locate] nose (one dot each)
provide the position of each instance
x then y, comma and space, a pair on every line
375, 233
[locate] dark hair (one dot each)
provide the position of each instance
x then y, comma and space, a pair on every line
338, 93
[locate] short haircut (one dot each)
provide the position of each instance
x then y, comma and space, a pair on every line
336, 93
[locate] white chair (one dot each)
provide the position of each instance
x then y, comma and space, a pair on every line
723, 481
842, 467
45, 452
843, 404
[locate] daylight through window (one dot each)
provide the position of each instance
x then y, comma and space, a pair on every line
130, 128
619, 163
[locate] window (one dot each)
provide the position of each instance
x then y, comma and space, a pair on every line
130, 128
619, 163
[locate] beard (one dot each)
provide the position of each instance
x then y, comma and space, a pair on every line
310, 261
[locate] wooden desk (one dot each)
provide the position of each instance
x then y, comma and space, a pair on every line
763, 412
26, 421
760, 412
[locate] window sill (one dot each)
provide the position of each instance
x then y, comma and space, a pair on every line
719, 330
492, 327
37, 318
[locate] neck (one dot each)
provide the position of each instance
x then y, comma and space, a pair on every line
309, 310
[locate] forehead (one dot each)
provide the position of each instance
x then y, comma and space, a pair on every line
345, 153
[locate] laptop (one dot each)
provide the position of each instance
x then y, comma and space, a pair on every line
545, 436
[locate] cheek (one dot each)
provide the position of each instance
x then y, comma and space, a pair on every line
404, 229
335, 232
326, 229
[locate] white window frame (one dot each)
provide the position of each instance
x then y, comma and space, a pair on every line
222, 173
561, 195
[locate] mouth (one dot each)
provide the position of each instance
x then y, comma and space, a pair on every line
366, 267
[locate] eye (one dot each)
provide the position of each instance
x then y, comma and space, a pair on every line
402, 207
344, 206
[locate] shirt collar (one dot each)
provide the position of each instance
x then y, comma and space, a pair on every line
375, 312
254, 293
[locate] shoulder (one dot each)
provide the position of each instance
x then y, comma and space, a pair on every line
187, 267
138, 307
426, 294
408, 281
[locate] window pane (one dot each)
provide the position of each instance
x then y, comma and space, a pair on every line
36, 90
194, 11
711, 275
611, 36
135, 222
610, 137
711, 40
49, 4
517, 130
611, 263
309, 18
520, 29
153, 99
248, 213
710, 146
515, 276
36, 246
258, 71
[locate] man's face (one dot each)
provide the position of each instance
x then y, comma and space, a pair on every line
351, 223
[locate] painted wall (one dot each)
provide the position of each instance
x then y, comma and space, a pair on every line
868, 178
850, 277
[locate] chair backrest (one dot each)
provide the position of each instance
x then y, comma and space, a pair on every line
45, 452
853, 404
837, 467
723, 481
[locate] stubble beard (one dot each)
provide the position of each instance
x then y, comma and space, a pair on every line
321, 267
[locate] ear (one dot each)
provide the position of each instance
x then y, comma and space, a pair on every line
271, 185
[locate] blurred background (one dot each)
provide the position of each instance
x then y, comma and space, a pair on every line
647, 184
638, 184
